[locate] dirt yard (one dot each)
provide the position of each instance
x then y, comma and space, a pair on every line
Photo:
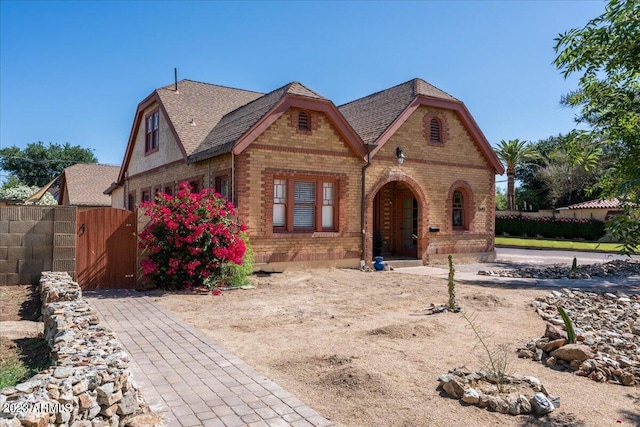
354, 346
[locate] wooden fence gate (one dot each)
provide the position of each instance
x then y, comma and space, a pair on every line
106, 248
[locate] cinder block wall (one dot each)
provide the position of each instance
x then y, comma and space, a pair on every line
34, 239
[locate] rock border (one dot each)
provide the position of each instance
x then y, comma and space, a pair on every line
89, 383
607, 326
463, 385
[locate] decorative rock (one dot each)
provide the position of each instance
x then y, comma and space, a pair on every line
571, 352
551, 361
540, 404
523, 353
453, 388
627, 379
553, 332
553, 345
63, 372
471, 396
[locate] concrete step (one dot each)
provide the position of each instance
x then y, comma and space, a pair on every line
402, 263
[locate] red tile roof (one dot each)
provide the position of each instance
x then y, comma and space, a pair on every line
597, 204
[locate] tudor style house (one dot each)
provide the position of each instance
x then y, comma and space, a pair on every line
404, 173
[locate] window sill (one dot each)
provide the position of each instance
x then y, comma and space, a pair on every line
155, 150
314, 234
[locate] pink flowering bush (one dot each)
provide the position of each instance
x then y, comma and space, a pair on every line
191, 239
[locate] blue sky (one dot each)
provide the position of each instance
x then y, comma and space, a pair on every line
75, 71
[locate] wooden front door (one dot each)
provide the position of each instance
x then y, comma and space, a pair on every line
106, 248
408, 226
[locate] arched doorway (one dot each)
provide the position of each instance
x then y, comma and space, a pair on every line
396, 222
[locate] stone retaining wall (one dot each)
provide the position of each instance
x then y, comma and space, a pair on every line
89, 383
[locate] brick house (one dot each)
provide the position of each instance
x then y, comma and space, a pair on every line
404, 172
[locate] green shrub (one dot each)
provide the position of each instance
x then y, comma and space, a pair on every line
232, 274
552, 228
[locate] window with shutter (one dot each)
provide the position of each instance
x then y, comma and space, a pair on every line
304, 208
304, 204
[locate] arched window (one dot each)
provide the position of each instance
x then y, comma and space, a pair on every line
435, 133
457, 211
304, 121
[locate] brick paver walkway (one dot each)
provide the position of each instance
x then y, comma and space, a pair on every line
187, 377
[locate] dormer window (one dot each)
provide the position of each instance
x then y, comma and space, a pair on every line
304, 121
435, 134
152, 140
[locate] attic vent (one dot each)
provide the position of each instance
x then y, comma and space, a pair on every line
304, 123
435, 134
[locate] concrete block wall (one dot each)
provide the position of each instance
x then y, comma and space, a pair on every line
35, 239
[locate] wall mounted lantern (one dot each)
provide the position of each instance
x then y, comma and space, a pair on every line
400, 155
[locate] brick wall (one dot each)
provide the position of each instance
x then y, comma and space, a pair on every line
35, 239
432, 172
283, 150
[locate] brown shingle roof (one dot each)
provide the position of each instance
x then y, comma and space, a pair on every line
85, 183
197, 107
372, 115
597, 204
237, 122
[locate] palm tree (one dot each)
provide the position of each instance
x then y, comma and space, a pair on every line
514, 153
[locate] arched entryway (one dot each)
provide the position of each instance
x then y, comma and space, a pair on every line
397, 226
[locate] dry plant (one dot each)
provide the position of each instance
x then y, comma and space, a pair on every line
495, 359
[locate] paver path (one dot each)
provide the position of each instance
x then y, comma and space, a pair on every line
187, 377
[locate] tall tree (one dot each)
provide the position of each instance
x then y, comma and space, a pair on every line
514, 153
38, 164
606, 52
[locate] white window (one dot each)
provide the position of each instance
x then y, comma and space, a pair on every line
279, 202
327, 205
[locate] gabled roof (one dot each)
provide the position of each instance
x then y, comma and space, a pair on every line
236, 123
378, 116
85, 183
193, 110
372, 115
196, 108
597, 204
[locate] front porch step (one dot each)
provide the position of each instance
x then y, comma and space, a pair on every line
402, 263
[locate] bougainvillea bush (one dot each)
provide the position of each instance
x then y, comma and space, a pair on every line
191, 239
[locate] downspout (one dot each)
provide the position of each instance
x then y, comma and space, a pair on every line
233, 180
209, 173
363, 202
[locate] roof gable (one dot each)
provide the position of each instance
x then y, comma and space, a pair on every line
84, 184
192, 111
372, 115
378, 116
239, 128
236, 123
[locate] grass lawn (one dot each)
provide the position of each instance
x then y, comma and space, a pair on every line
557, 244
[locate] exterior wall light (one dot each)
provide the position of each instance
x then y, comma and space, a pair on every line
400, 155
